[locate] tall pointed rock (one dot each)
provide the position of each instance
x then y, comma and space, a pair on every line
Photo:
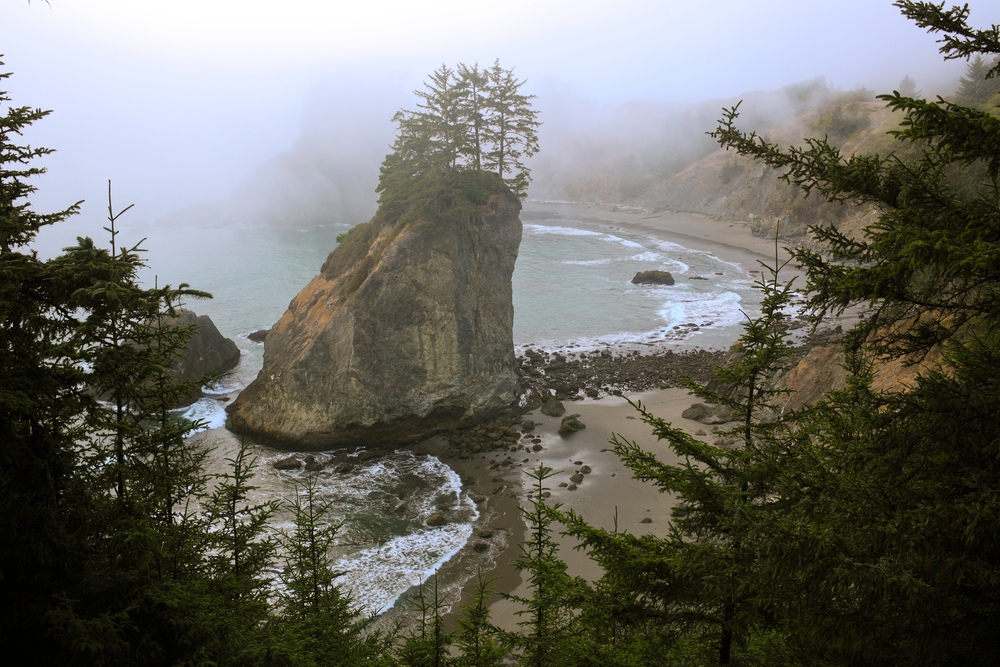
406, 331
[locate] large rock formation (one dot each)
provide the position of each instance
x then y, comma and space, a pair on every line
406, 331
207, 353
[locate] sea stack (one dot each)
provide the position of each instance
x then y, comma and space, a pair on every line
408, 329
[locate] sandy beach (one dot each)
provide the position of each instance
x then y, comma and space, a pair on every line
608, 491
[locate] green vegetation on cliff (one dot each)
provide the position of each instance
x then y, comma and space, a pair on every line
473, 120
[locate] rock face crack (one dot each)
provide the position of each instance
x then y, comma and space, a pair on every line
424, 344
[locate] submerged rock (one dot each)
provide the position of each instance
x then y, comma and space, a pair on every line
407, 331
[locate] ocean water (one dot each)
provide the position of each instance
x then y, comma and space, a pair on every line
571, 289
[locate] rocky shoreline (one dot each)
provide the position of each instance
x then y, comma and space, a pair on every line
575, 376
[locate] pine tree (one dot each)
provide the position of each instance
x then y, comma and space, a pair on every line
427, 644
475, 95
908, 87
703, 578
478, 640
470, 121
318, 624
886, 549
511, 128
974, 88
42, 500
548, 635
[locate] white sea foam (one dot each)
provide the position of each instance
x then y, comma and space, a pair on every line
386, 565
648, 256
574, 231
211, 412
722, 309
381, 575
562, 231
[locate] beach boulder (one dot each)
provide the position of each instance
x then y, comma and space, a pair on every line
571, 424
653, 278
553, 408
406, 332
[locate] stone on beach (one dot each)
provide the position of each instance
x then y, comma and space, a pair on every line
571, 424
553, 408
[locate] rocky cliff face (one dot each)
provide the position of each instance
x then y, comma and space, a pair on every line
408, 330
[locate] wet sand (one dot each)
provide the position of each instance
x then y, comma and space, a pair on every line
607, 493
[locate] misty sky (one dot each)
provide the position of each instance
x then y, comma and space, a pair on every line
180, 100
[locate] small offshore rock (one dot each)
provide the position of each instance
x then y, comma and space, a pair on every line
259, 335
480, 547
653, 278
291, 463
437, 519
553, 408
485, 534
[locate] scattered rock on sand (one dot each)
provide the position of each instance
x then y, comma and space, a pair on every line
527, 426
571, 424
646, 520
708, 414
576, 478
553, 408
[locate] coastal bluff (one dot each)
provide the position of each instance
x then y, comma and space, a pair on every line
406, 331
